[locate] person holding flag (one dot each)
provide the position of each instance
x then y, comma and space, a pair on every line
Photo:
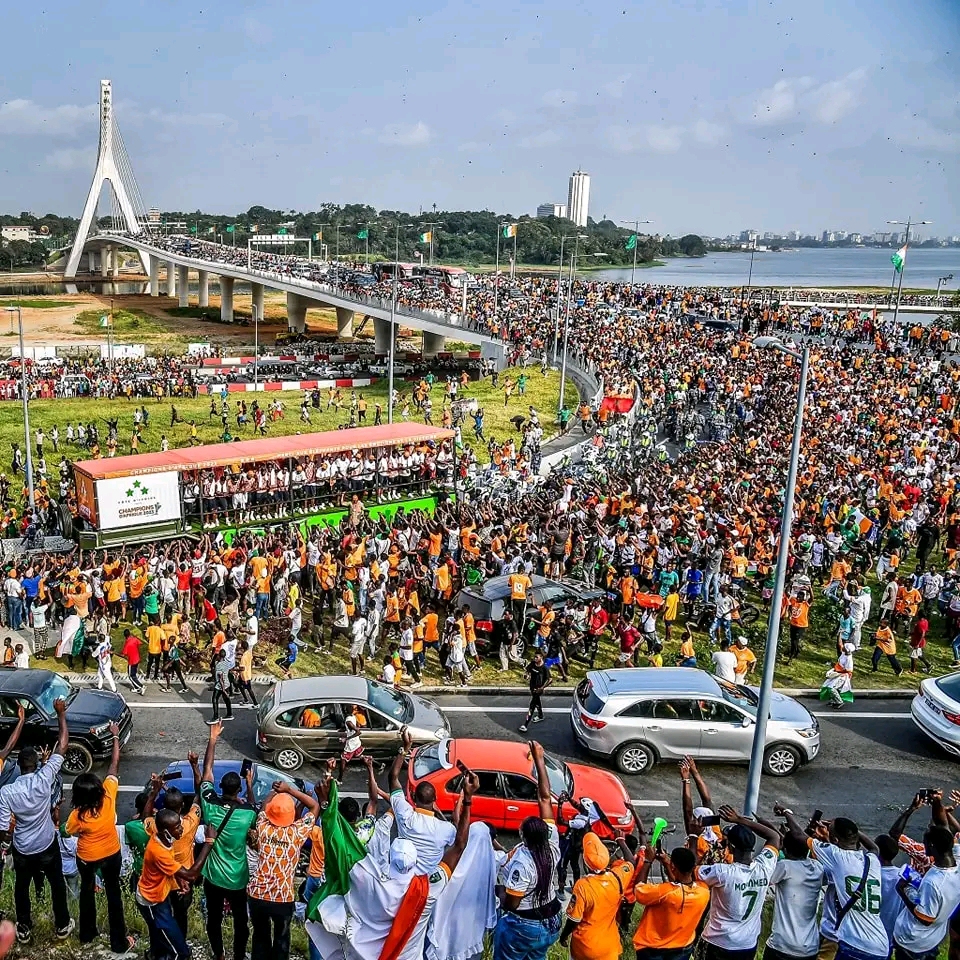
369, 910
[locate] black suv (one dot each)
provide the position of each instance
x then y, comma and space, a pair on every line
89, 715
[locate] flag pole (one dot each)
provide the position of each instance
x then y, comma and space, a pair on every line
903, 267
636, 243
513, 264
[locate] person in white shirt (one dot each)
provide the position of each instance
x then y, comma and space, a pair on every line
738, 889
797, 880
851, 864
725, 662
420, 825
922, 924
35, 846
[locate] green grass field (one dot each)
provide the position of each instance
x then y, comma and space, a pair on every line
542, 393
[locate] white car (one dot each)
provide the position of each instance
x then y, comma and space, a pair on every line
936, 711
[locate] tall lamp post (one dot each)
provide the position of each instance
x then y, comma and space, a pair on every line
940, 282
256, 345
391, 349
556, 323
903, 266
773, 624
636, 243
28, 466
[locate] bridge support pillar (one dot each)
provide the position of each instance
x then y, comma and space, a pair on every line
381, 337
495, 351
114, 262
183, 285
154, 268
171, 278
256, 297
226, 299
104, 261
296, 313
433, 343
344, 323
203, 281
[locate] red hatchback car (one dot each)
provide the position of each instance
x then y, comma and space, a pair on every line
508, 786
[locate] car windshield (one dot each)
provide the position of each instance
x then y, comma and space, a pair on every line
561, 779
950, 685
56, 689
739, 696
391, 702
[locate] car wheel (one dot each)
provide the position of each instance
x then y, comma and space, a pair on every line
521, 647
288, 758
781, 760
635, 758
749, 615
77, 759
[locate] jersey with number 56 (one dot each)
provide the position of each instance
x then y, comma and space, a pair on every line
736, 902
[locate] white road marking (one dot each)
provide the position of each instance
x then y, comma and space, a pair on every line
841, 714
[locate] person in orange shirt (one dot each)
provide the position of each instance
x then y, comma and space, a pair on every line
628, 595
798, 609
162, 875
93, 821
672, 910
431, 627
591, 926
442, 582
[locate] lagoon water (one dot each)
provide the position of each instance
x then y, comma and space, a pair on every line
815, 267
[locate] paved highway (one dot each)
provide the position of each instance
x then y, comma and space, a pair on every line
872, 760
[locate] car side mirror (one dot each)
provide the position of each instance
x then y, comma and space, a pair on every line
747, 722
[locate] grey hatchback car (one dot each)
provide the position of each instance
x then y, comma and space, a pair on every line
303, 719
636, 717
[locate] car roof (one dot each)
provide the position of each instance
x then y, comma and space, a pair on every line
664, 680
322, 688
24, 682
505, 756
498, 587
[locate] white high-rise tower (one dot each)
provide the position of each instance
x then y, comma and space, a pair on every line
578, 198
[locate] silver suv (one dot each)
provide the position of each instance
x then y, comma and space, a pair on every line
636, 717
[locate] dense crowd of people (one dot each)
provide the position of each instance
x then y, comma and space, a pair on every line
396, 878
676, 516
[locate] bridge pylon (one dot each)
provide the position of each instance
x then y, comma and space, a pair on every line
113, 166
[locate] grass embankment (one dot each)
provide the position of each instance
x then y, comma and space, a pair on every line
34, 304
135, 326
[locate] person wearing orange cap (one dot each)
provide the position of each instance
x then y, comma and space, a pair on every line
591, 926
271, 892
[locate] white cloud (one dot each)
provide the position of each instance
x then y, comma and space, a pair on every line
779, 102
709, 133
546, 138
27, 118
255, 30
832, 101
651, 139
155, 117
616, 87
414, 135
798, 99
72, 158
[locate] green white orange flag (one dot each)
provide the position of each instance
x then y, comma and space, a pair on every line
899, 258
426, 237
509, 230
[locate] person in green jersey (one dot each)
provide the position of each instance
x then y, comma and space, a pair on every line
226, 874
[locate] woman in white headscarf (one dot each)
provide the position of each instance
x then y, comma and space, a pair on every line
467, 908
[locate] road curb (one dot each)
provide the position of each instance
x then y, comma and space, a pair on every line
517, 691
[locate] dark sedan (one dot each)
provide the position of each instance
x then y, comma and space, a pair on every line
89, 715
488, 600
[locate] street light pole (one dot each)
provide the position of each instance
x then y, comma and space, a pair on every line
752, 798
256, 345
28, 456
566, 317
940, 282
556, 325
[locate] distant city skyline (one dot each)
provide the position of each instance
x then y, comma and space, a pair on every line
779, 114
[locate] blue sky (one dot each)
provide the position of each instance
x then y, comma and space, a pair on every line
700, 115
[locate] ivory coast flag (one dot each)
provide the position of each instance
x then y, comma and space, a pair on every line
339, 899
318, 235
426, 237
509, 230
899, 258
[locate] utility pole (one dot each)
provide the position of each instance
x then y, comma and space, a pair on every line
636, 243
